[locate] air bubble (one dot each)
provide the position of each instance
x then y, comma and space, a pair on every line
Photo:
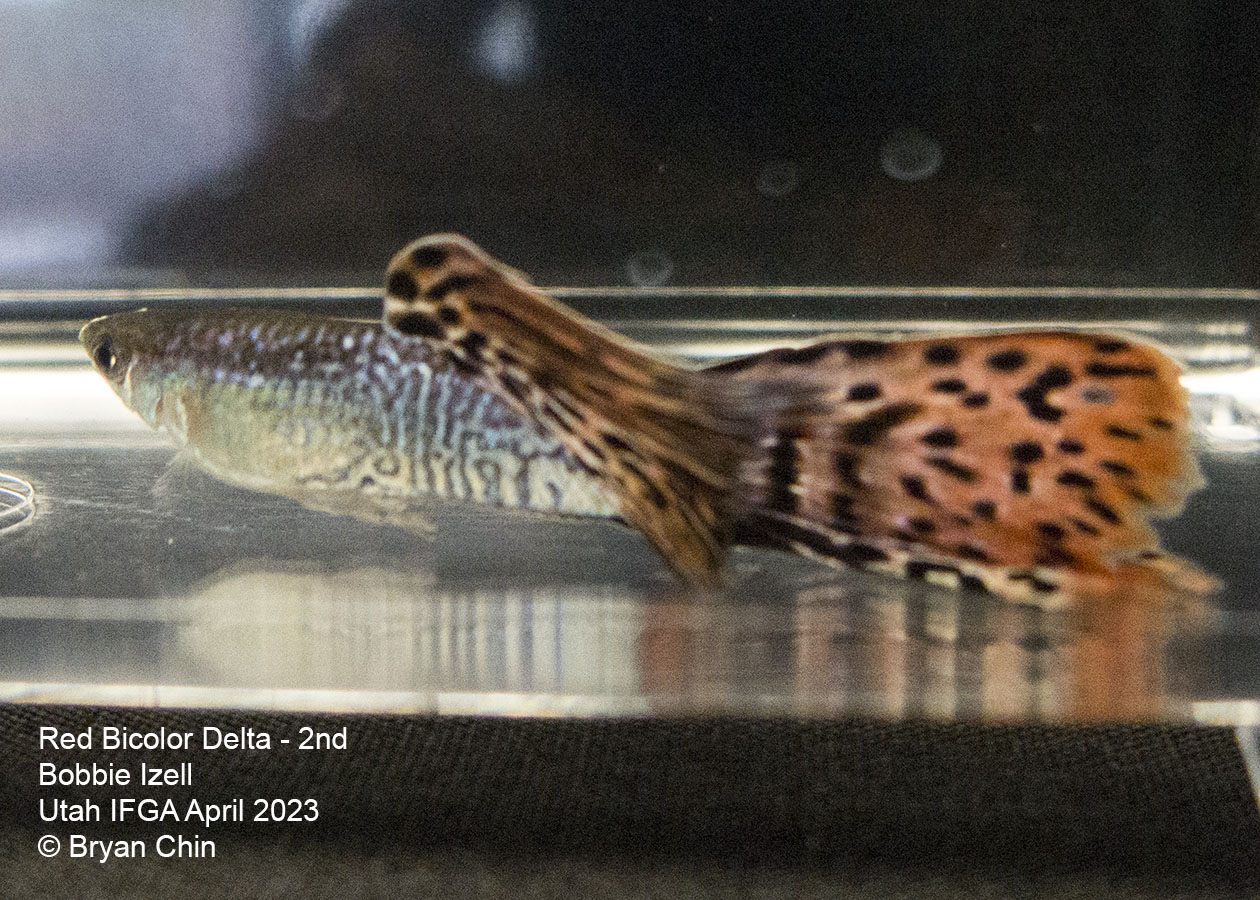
910, 155
508, 47
649, 269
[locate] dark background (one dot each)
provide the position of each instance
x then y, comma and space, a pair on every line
600, 142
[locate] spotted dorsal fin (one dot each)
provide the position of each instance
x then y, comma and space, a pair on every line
670, 442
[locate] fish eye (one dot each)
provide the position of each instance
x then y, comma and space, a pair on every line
103, 355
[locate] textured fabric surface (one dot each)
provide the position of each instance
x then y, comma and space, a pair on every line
1166, 808
332, 872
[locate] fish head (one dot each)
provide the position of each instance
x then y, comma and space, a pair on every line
127, 350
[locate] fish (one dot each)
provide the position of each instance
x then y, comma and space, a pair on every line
337, 414
1024, 464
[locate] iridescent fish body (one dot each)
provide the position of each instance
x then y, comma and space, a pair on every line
1025, 464
336, 413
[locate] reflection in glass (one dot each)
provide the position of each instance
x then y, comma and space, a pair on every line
398, 640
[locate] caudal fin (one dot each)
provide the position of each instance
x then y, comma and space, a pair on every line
1027, 464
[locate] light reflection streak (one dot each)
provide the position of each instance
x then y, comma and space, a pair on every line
64, 394
394, 640
37, 401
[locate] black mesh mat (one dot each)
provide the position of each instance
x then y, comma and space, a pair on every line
1165, 803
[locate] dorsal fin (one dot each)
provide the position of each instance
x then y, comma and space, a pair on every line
669, 441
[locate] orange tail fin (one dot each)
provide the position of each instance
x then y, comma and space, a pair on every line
1028, 464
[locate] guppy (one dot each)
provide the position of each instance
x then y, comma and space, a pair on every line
1025, 464
336, 413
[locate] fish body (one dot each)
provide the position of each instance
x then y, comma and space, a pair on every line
1024, 464
333, 412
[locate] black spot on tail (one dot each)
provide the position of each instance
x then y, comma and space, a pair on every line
1126, 434
1073, 478
859, 554
738, 364
1055, 556
951, 468
985, 509
783, 473
465, 366
1037, 584
847, 469
1107, 370
842, 509
972, 583
867, 390
1034, 395
1102, 510
914, 487
1117, 468
872, 427
1051, 531
1110, 345
448, 315
918, 570
941, 354
865, 349
943, 438
402, 285
1008, 361
811, 540
801, 356
973, 553
1027, 452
